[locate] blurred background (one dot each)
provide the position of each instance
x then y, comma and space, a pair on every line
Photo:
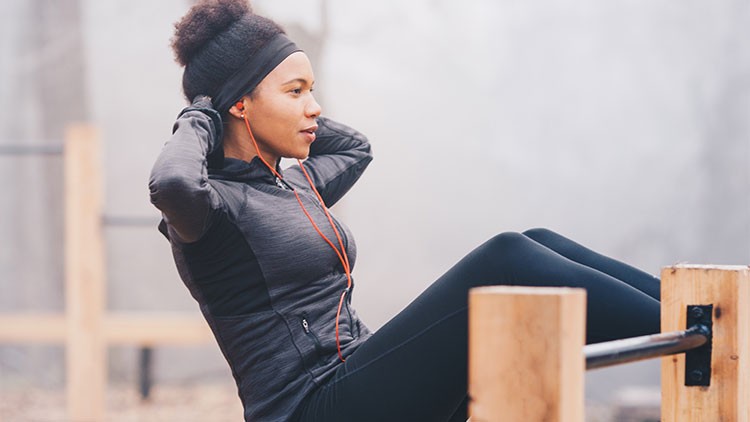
624, 125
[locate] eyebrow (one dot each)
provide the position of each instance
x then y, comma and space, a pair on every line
300, 80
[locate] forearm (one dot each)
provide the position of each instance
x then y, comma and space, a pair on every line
338, 157
336, 138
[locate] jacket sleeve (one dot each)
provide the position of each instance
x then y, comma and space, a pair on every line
178, 184
338, 157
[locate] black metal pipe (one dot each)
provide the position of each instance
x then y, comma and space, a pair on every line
145, 379
122, 221
38, 149
600, 355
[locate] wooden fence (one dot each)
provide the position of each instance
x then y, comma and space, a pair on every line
86, 328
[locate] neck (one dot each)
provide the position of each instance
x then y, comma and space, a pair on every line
239, 145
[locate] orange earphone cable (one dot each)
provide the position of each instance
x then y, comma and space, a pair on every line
345, 262
330, 220
255, 144
342, 256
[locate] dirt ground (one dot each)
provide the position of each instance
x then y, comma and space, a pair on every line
167, 403
185, 403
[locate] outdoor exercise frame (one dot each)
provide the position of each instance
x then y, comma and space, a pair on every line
527, 355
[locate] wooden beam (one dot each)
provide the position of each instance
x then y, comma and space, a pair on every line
84, 275
727, 288
525, 354
32, 328
136, 328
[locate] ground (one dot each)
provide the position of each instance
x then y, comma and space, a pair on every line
168, 403
212, 402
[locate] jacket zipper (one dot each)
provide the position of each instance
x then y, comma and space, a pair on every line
351, 320
344, 239
306, 327
282, 184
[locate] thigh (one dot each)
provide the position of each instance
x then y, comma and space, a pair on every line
639, 279
415, 366
419, 377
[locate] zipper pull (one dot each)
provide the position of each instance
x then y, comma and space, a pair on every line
280, 184
305, 326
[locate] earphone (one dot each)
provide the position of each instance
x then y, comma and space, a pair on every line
341, 254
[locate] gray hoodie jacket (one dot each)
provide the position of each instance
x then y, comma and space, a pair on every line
266, 282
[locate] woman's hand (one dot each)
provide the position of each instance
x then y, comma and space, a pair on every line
203, 104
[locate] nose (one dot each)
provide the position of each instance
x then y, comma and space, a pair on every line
312, 109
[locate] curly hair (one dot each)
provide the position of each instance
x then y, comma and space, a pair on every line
214, 39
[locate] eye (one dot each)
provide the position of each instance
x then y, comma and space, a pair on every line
296, 91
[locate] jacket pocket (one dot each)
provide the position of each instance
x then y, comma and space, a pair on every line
265, 364
306, 327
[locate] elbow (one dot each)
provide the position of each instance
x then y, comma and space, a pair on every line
364, 147
166, 191
368, 152
159, 189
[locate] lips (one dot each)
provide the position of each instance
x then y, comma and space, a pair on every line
310, 133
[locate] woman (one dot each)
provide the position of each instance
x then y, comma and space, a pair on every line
271, 268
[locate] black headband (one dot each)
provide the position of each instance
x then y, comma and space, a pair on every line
253, 71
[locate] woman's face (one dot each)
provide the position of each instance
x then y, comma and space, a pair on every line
282, 110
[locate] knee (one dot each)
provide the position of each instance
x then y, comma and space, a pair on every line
506, 240
539, 233
506, 249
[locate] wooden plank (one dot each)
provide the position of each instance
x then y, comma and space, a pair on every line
156, 328
84, 275
526, 358
137, 328
728, 289
32, 328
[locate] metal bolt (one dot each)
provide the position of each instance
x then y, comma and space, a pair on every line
696, 375
697, 313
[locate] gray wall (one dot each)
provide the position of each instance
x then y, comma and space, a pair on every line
624, 125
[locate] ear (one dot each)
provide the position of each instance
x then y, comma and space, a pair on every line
239, 109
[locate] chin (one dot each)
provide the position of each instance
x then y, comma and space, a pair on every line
301, 155
296, 156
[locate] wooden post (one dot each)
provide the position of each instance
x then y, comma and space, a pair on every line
84, 275
85, 328
526, 358
728, 290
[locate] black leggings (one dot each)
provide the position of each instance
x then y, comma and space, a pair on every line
414, 368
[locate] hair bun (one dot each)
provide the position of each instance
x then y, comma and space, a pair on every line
203, 22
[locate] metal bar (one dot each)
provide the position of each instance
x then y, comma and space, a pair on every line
616, 352
145, 380
120, 221
38, 149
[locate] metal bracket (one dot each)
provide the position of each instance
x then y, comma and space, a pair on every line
698, 361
